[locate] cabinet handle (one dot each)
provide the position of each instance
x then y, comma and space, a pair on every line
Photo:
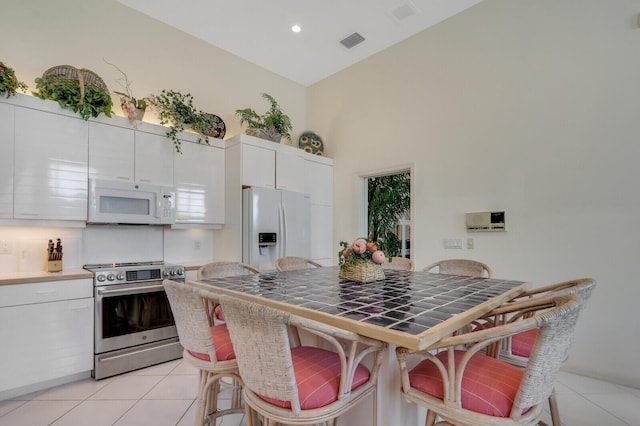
45, 292
123, 177
145, 180
28, 214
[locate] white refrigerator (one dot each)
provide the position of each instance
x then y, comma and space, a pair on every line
275, 223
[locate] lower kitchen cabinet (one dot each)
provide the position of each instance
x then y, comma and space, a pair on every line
46, 333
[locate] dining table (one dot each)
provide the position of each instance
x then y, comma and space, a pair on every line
409, 309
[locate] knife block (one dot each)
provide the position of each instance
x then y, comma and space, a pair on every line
54, 265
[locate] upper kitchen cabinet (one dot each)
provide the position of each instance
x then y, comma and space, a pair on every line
111, 152
6, 161
154, 158
122, 153
50, 166
258, 166
290, 165
199, 178
266, 164
318, 180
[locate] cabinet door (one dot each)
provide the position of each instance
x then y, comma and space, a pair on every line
258, 166
322, 249
51, 170
111, 152
319, 182
199, 180
290, 171
48, 341
6, 160
153, 159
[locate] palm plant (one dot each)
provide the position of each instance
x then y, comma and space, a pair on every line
389, 200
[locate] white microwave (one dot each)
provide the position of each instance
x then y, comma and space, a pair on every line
131, 203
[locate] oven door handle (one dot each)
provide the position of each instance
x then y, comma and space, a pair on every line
130, 290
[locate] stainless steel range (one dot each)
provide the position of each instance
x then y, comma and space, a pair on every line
134, 326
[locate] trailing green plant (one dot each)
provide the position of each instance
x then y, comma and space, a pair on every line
389, 199
9, 83
176, 109
69, 96
273, 122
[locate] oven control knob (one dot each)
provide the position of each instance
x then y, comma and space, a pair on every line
110, 277
173, 272
120, 277
180, 272
100, 278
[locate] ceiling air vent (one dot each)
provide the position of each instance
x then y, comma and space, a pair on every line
352, 40
404, 11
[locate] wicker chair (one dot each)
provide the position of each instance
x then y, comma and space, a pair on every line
399, 264
469, 268
479, 389
517, 349
298, 385
207, 348
294, 263
221, 269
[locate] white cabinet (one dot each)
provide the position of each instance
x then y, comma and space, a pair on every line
199, 177
50, 334
6, 160
50, 166
258, 166
122, 153
154, 158
111, 152
318, 181
290, 169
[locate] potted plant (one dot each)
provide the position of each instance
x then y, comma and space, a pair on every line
9, 83
177, 110
62, 85
272, 125
132, 107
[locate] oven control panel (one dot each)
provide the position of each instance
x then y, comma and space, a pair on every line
132, 274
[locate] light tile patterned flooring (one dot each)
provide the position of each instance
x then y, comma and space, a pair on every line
165, 395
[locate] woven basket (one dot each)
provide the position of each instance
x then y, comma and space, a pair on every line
83, 76
362, 272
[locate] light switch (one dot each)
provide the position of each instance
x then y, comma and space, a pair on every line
452, 243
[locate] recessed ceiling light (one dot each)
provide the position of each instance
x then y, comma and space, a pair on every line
296, 28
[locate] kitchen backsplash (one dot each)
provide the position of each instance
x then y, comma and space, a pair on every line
24, 249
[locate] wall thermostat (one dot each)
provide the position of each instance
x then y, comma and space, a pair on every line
485, 222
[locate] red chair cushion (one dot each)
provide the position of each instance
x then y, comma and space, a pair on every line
218, 312
489, 386
317, 373
522, 343
222, 342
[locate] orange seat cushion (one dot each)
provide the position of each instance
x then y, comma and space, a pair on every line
317, 373
522, 343
489, 386
222, 343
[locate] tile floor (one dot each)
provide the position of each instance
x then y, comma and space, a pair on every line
165, 395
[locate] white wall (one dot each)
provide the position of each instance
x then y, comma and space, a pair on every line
39, 34
531, 107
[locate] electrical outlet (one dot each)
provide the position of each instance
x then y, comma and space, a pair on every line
196, 244
470, 243
5, 247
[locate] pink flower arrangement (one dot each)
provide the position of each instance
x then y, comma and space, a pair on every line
360, 251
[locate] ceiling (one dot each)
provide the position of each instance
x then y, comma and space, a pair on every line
259, 31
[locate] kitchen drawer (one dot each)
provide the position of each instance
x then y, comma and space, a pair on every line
24, 294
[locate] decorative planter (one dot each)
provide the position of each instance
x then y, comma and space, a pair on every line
264, 134
363, 272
